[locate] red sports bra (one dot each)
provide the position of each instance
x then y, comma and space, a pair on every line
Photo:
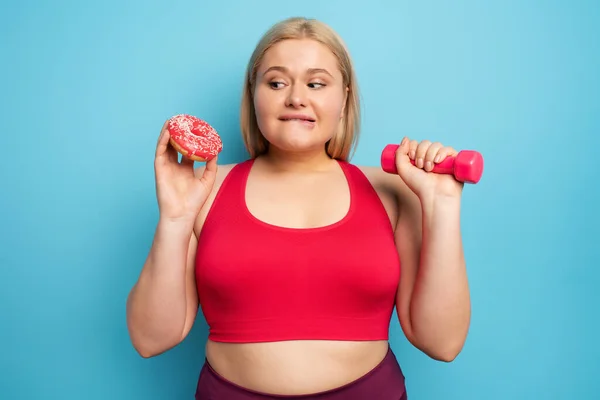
259, 282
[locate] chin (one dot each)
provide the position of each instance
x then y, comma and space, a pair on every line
298, 147
296, 141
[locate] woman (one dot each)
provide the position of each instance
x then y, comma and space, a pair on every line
294, 255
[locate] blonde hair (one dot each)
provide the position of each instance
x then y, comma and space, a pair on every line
344, 141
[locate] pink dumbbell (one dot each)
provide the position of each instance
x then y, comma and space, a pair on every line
466, 166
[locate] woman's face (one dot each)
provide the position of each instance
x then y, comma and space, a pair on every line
299, 96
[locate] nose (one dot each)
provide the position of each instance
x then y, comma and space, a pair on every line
296, 96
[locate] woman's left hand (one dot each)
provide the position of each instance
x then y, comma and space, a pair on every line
418, 177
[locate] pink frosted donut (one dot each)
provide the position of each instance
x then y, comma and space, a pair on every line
194, 138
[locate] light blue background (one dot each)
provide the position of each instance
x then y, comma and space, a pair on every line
86, 86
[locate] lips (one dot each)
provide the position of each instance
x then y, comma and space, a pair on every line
296, 117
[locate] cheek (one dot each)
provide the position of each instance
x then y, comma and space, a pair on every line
267, 100
331, 108
259, 104
262, 107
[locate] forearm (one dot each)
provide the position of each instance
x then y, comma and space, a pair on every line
156, 307
440, 304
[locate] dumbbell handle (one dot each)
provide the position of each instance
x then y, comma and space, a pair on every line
466, 166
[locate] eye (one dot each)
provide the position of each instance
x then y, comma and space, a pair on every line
274, 85
316, 85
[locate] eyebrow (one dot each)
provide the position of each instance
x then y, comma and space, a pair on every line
310, 71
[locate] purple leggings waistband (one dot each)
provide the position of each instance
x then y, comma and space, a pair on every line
384, 382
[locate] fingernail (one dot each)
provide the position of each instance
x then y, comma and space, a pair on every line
420, 163
412, 154
437, 158
428, 166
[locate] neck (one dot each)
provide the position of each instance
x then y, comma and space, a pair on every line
306, 161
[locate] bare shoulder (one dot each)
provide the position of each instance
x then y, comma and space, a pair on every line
389, 182
385, 183
387, 187
222, 172
391, 189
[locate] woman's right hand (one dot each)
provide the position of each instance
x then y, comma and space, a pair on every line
180, 193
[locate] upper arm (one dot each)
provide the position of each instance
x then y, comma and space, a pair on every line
408, 237
191, 294
404, 210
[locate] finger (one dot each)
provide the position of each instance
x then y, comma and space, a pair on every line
162, 131
172, 153
163, 141
431, 154
210, 172
443, 153
187, 162
404, 147
402, 154
420, 153
412, 149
